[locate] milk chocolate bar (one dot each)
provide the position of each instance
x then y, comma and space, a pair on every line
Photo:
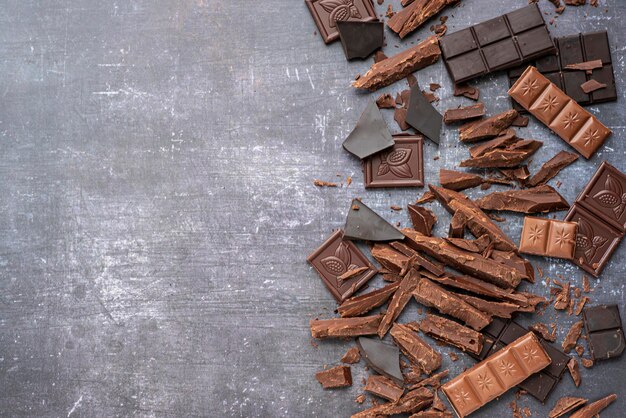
548, 237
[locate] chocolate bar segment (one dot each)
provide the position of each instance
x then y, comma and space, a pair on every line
327, 13
359, 305
534, 200
495, 375
344, 327
337, 377
500, 43
402, 165
544, 100
605, 335
548, 237
452, 333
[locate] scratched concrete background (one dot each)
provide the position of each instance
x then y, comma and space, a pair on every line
157, 204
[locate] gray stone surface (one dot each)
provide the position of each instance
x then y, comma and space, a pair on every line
157, 204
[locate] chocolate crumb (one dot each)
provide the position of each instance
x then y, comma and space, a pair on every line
321, 183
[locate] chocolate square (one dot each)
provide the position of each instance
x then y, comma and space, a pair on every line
605, 195
547, 64
327, 12
596, 46
501, 54
570, 50
572, 81
605, 335
457, 43
604, 75
535, 42
491, 31
337, 256
525, 18
466, 65
402, 165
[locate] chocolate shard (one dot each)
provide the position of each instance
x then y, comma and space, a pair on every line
488, 128
384, 387
464, 261
512, 259
360, 39
591, 86
432, 266
499, 309
585, 66
506, 138
457, 225
594, 408
399, 115
463, 113
574, 371
467, 91
383, 358
543, 331
352, 356
370, 135
389, 258
416, 349
504, 157
360, 305
552, 167
458, 180
534, 200
480, 287
452, 333
423, 219
422, 116
386, 101
409, 403
337, 377
397, 67
519, 174
412, 17
565, 405
572, 336
478, 222
345, 327
465, 244
399, 300
365, 224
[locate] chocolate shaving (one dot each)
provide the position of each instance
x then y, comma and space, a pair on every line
467, 91
585, 66
427, 197
572, 336
594, 408
345, 327
412, 17
565, 405
322, 183
572, 366
488, 128
591, 86
538, 199
359, 305
352, 273
386, 101
337, 377
352, 356
399, 300
543, 331
587, 363
416, 349
452, 333
580, 305
423, 219
552, 167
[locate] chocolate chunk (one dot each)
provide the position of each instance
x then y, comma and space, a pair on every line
397, 67
594, 408
580, 129
591, 86
537, 199
352, 356
360, 39
552, 167
416, 349
327, 13
399, 300
402, 165
334, 258
585, 66
572, 336
520, 121
379, 56
458, 180
487, 128
458, 223
466, 91
359, 305
337, 377
365, 224
605, 335
386, 101
497, 155
572, 366
548, 237
565, 405
434, 267
499, 43
499, 309
543, 331
422, 116
389, 258
452, 333
480, 287
345, 327
432, 295
412, 17
478, 222
519, 174
370, 135
463, 113
383, 358
409, 403
512, 259
384, 387
399, 115
423, 219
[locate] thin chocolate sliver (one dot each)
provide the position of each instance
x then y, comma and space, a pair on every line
399, 300
360, 39
458, 180
464, 113
423, 219
565, 405
345, 327
409, 403
412, 17
592, 85
422, 116
415, 349
488, 128
365, 224
384, 387
534, 200
594, 408
360, 305
501, 153
383, 358
370, 135
551, 168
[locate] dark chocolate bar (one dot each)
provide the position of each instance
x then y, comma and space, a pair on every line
605, 335
500, 43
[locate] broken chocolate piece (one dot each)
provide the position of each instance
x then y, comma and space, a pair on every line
400, 65
410, 402
351, 273
572, 337
412, 17
384, 387
337, 377
360, 39
463, 113
466, 91
458, 180
591, 86
370, 135
572, 366
352, 356
488, 128
480, 287
543, 331
383, 358
432, 295
519, 174
452, 333
365, 224
520, 121
399, 115
399, 300
432, 266
502, 156
423, 219
390, 259
499, 309
534, 200
345, 327
386, 101
327, 13
594, 408
457, 225
359, 305
585, 66
548, 237
605, 335
552, 167
565, 405
422, 116
416, 349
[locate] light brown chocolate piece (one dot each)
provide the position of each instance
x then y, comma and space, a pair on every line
572, 336
552, 167
414, 15
594, 408
359, 305
434, 267
459, 180
415, 349
384, 387
466, 90
397, 67
488, 128
591, 86
423, 219
452, 333
535, 200
345, 327
352, 356
499, 309
389, 258
386, 101
565, 405
548, 237
399, 300
458, 223
337, 377
572, 366
410, 402
432, 295
585, 66
499, 154
463, 113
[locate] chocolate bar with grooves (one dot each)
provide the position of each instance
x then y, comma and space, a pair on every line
548, 237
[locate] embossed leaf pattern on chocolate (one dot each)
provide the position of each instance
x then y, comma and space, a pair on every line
612, 196
397, 162
340, 262
340, 10
586, 241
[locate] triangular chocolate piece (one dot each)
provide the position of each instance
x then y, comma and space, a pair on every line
365, 224
360, 39
370, 135
422, 116
383, 358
